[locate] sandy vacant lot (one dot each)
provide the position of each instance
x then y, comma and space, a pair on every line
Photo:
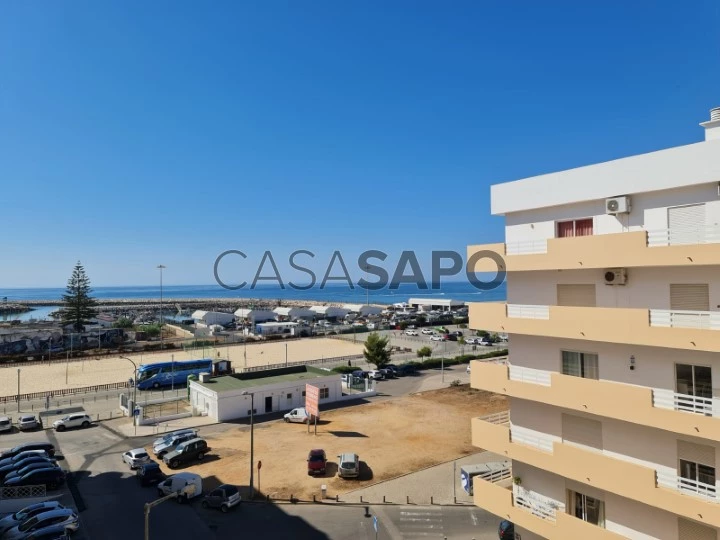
392, 438
43, 377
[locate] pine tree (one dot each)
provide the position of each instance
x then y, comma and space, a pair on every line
79, 305
377, 351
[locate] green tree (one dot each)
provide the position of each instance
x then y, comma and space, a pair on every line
79, 306
423, 352
152, 330
377, 350
123, 322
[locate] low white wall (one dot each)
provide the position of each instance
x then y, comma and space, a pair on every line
159, 419
359, 395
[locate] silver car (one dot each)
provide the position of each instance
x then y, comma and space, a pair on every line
13, 520
135, 458
27, 422
161, 449
64, 517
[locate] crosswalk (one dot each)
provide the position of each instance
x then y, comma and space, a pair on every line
420, 523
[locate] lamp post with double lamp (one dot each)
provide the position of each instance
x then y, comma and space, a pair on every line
134, 379
252, 439
161, 267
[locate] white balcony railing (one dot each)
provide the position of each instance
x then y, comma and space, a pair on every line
530, 375
702, 320
526, 247
527, 311
667, 237
502, 417
538, 505
529, 438
686, 485
667, 399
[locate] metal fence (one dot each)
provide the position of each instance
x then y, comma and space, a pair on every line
22, 492
63, 392
331, 360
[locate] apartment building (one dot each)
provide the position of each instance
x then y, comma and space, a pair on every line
613, 376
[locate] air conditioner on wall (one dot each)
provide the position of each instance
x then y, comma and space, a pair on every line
617, 205
616, 276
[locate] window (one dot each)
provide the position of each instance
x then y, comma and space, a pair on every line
303, 393
575, 227
289, 396
696, 464
324, 393
693, 380
579, 364
587, 508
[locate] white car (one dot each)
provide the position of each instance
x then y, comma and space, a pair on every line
411, 332
27, 422
436, 338
427, 331
299, 415
135, 458
5, 424
375, 374
468, 370
72, 421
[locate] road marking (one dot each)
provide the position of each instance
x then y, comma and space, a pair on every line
474, 518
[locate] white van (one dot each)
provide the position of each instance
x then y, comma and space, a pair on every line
299, 415
188, 484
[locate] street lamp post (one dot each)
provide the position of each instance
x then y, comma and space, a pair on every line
286, 358
18, 389
134, 379
161, 267
252, 439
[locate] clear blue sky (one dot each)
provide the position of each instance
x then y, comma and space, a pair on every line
137, 133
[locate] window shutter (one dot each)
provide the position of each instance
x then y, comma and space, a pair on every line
581, 431
696, 453
576, 295
690, 297
689, 530
686, 224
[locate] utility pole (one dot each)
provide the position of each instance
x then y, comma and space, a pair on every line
161, 267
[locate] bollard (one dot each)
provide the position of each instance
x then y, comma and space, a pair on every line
431, 500
268, 498
383, 498
407, 498
314, 498
454, 500
337, 498
367, 511
361, 499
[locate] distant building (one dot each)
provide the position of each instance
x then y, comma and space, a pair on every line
254, 316
227, 398
363, 310
329, 312
274, 328
293, 313
208, 318
440, 304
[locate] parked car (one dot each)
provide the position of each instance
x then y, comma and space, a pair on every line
224, 497
411, 332
387, 373
168, 436
28, 422
316, 461
13, 462
47, 447
506, 530
17, 465
52, 532
5, 424
72, 421
194, 449
180, 482
375, 374
50, 477
27, 468
360, 374
135, 458
427, 331
392, 368
407, 369
149, 473
160, 450
64, 517
485, 341
13, 520
437, 338
298, 415
467, 370
348, 465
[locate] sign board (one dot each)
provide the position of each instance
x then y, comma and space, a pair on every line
312, 400
375, 523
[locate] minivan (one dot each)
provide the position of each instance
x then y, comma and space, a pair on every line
178, 483
168, 446
348, 465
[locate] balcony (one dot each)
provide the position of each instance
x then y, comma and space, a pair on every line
656, 408
593, 468
534, 513
619, 250
686, 330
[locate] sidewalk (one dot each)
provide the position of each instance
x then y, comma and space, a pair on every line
125, 428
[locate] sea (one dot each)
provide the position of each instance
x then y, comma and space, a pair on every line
342, 293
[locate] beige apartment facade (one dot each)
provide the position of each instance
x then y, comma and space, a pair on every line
613, 376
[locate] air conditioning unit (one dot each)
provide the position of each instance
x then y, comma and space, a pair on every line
616, 276
617, 205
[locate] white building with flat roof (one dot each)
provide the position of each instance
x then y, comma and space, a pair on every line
254, 316
208, 318
613, 375
440, 304
329, 312
289, 328
293, 313
363, 310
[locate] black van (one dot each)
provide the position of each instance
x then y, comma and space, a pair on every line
49, 449
149, 473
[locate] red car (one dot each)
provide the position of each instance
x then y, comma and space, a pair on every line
316, 461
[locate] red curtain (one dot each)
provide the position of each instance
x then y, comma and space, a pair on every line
565, 229
584, 227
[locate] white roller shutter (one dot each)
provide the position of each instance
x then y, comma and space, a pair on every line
689, 530
576, 295
686, 224
690, 297
581, 431
696, 453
